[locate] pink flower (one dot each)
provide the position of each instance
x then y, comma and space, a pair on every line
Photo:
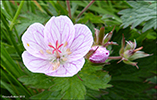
58, 48
100, 55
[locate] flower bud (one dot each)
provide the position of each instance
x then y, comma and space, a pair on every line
130, 53
100, 55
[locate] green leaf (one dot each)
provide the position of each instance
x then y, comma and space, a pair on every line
99, 10
94, 77
141, 12
8, 63
39, 81
59, 8
129, 82
71, 88
91, 17
27, 19
151, 35
151, 23
47, 95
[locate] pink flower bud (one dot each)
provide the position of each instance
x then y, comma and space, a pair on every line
100, 55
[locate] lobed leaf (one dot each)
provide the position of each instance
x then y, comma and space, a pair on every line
141, 12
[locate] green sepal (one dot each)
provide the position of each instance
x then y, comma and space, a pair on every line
138, 54
101, 35
107, 37
121, 51
131, 63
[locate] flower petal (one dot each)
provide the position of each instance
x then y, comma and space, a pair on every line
33, 40
59, 28
82, 42
69, 69
35, 64
100, 55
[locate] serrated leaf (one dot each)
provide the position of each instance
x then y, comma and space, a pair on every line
151, 23
71, 88
47, 95
94, 77
39, 81
141, 12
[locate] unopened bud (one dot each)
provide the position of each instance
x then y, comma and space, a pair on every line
100, 55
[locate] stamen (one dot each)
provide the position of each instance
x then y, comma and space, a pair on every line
27, 44
65, 44
48, 51
68, 51
138, 49
41, 51
56, 65
64, 59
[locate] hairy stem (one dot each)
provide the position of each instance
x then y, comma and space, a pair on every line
115, 57
79, 77
37, 4
85, 8
68, 5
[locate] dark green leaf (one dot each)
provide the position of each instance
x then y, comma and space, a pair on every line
39, 81
92, 18
141, 12
47, 95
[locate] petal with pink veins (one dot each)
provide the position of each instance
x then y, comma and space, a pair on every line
33, 40
36, 64
82, 42
59, 28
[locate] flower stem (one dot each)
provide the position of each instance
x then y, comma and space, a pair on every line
85, 8
79, 77
16, 15
68, 5
115, 57
11, 35
37, 4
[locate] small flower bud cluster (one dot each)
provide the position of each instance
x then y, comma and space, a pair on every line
129, 52
99, 53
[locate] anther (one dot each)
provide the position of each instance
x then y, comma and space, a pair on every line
65, 44
48, 51
64, 59
41, 51
138, 49
27, 44
56, 65
68, 51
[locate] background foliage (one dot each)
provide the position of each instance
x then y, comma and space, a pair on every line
134, 19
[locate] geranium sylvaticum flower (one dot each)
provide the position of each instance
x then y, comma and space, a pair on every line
58, 48
99, 53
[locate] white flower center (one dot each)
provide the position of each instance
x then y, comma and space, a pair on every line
59, 55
